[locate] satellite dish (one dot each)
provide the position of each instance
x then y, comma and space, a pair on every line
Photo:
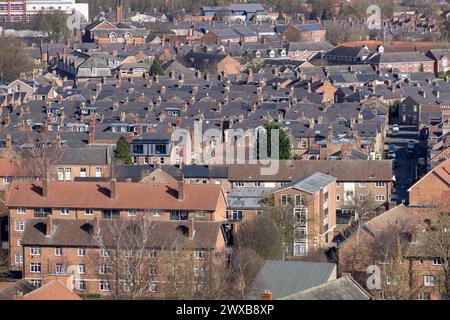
75, 20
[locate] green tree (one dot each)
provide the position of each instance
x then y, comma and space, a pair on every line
284, 144
14, 58
280, 16
156, 69
122, 151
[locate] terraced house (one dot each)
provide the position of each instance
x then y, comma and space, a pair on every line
108, 200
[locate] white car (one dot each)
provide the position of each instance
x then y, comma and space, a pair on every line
421, 161
395, 128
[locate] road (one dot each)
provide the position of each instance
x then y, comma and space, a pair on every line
404, 168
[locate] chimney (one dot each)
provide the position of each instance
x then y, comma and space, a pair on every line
191, 229
181, 188
58, 143
48, 229
112, 189
45, 187
266, 295
163, 90
8, 141
119, 11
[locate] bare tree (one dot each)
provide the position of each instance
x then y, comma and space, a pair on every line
39, 156
125, 264
436, 244
390, 253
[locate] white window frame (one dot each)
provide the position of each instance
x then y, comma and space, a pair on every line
81, 269
64, 211
20, 210
81, 252
429, 280
132, 212
58, 252
104, 286
19, 226
35, 251
153, 253
34, 266
89, 212
79, 286
200, 254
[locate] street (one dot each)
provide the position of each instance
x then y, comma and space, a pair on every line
404, 166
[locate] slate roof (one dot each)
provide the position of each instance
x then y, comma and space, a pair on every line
284, 278
311, 184
344, 288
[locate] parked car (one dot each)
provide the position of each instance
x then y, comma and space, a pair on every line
411, 145
395, 128
391, 154
421, 161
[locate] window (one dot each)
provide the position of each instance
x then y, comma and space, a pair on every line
83, 172
257, 184
104, 253
88, 212
138, 148
98, 172
58, 252
299, 200
131, 213
19, 242
64, 211
20, 210
284, 200
424, 296
68, 174
36, 282
379, 197
104, 285
81, 252
200, 214
153, 253
157, 213
421, 261
160, 149
235, 215
20, 226
362, 184
338, 198
58, 268
61, 174
199, 254
35, 251
128, 253
18, 258
239, 184
199, 271
299, 248
338, 184
429, 280
362, 197
81, 285
379, 184
103, 269
35, 267
438, 261
81, 269
153, 287
153, 270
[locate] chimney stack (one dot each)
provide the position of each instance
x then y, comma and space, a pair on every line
112, 189
45, 187
181, 188
48, 229
8, 141
266, 295
58, 143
